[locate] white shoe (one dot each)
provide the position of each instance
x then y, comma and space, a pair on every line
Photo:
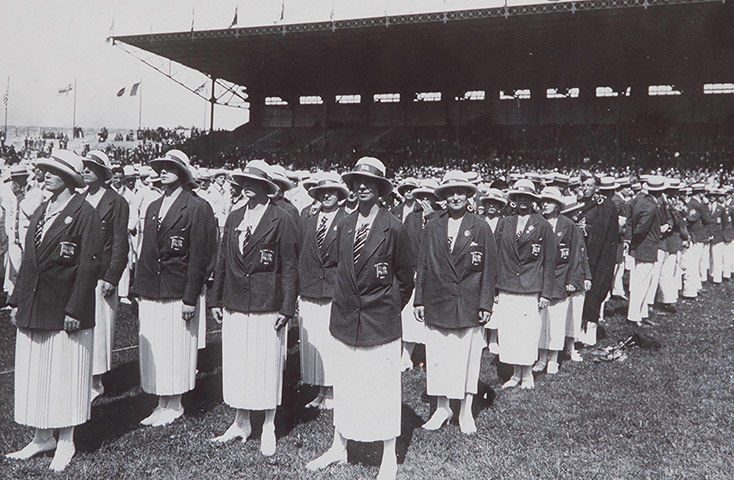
467, 424
167, 417
33, 449
539, 366
96, 393
511, 383
388, 472
329, 457
528, 383
62, 457
576, 356
234, 431
552, 368
153, 417
494, 348
439, 418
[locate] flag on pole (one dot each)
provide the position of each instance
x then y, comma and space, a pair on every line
6, 97
121, 92
234, 20
193, 11
111, 31
282, 10
134, 89
331, 15
200, 88
65, 90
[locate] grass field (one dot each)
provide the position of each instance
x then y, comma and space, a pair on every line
665, 413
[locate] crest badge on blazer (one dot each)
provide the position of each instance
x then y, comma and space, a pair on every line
535, 249
177, 243
476, 258
266, 256
67, 250
381, 270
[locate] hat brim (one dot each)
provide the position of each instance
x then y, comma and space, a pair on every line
657, 189
239, 177
424, 191
514, 193
501, 200
107, 171
386, 185
465, 185
48, 163
158, 163
608, 187
283, 183
553, 199
408, 186
343, 192
572, 208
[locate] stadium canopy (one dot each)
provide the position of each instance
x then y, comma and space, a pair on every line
566, 44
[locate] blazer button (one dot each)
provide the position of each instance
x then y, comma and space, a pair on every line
247, 275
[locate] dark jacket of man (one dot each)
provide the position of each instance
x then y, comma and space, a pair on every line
526, 264
645, 223
317, 266
717, 226
699, 218
114, 212
174, 259
454, 285
264, 277
369, 296
566, 257
59, 278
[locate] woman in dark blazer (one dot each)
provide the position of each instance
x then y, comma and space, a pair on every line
114, 212
494, 202
526, 262
317, 274
169, 276
53, 308
254, 296
454, 295
374, 281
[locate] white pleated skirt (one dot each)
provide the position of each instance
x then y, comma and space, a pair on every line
413, 330
167, 348
316, 343
553, 325
104, 329
575, 315
518, 327
53, 377
253, 358
452, 360
201, 320
367, 391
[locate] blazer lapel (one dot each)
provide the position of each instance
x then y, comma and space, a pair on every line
105, 204
510, 228
375, 238
173, 213
331, 233
463, 236
441, 239
59, 224
267, 223
347, 243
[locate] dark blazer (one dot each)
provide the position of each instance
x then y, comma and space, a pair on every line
727, 223
673, 240
717, 227
578, 269
415, 224
59, 279
265, 277
699, 218
566, 248
317, 267
369, 296
174, 258
526, 265
645, 225
399, 211
455, 285
114, 212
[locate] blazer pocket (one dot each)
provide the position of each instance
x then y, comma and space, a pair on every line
266, 257
176, 243
476, 259
67, 250
382, 270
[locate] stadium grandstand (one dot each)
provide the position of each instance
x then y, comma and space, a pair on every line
602, 77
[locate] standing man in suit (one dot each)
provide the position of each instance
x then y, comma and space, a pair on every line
646, 224
174, 258
114, 212
374, 281
698, 219
454, 296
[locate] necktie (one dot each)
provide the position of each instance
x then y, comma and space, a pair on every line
321, 233
246, 237
451, 243
38, 234
359, 240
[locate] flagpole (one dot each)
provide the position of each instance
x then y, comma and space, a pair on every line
6, 101
73, 119
140, 105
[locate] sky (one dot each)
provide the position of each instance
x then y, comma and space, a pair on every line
46, 45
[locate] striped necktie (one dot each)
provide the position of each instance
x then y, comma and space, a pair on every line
321, 232
246, 238
359, 240
38, 234
451, 243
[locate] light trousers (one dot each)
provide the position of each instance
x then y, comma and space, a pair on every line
689, 265
668, 287
717, 261
641, 278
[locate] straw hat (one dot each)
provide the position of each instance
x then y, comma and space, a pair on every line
455, 179
554, 195
370, 167
656, 183
608, 183
99, 159
331, 181
409, 183
258, 170
523, 187
176, 159
496, 195
426, 186
280, 177
65, 162
16, 171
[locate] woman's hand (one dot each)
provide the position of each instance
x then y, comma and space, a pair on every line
281, 321
217, 314
484, 317
543, 303
187, 312
13, 313
71, 324
107, 289
419, 313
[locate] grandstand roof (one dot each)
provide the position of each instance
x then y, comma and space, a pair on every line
614, 43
